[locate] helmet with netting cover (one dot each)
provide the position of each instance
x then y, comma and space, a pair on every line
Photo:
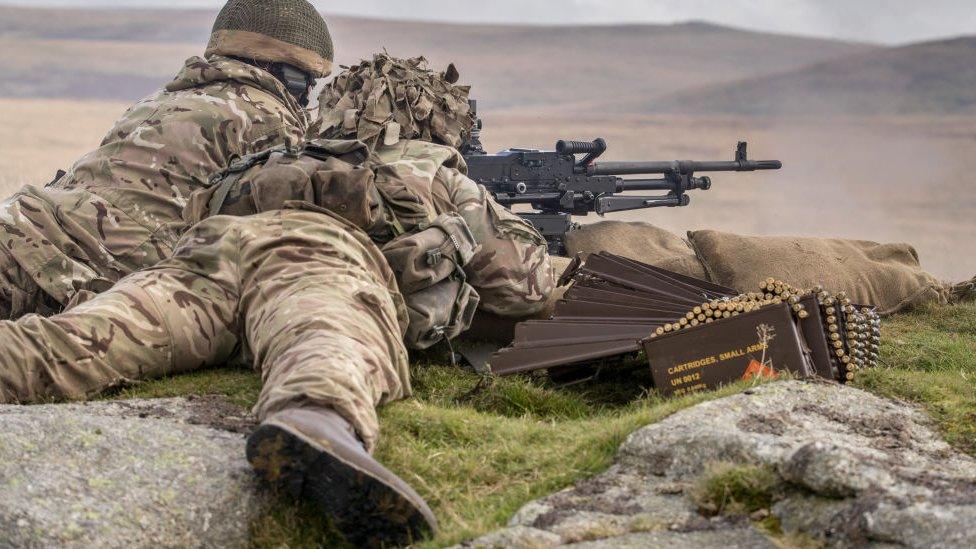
275, 31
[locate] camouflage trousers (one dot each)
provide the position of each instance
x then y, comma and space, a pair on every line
306, 298
55, 243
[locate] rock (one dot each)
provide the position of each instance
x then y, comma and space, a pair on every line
133, 473
517, 537
737, 538
854, 470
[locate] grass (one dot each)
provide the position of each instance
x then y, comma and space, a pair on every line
930, 358
479, 451
736, 490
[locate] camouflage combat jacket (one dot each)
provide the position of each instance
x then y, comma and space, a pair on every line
119, 208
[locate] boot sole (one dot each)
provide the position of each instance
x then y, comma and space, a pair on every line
366, 510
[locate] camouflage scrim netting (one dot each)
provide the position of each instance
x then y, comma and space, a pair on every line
964, 291
386, 99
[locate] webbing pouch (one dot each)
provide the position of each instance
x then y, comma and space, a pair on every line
429, 266
441, 312
424, 258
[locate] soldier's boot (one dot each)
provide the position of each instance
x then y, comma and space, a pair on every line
314, 454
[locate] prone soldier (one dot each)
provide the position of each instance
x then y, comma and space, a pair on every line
318, 269
118, 209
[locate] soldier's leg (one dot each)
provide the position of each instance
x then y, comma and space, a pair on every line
55, 243
19, 294
324, 318
325, 323
175, 317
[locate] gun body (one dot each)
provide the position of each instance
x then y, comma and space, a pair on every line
557, 185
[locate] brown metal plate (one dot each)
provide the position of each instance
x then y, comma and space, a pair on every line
606, 269
719, 291
514, 361
629, 273
815, 336
613, 303
586, 309
540, 333
632, 299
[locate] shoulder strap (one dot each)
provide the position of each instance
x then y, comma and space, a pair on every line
229, 177
350, 151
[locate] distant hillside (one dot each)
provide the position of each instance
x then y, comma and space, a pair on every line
106, 24
124, 54
931, 78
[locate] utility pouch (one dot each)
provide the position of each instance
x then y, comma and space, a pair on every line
406, 196
429, 266
278, 179
443, 311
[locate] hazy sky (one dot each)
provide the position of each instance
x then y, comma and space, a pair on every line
888, 21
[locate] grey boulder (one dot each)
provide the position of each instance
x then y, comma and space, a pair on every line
141, 473
855, 470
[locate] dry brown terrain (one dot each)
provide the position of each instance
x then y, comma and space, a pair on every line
879, 179
937, 77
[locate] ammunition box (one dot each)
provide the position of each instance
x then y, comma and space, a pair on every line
706, 357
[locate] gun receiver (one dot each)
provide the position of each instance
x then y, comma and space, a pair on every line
558, 186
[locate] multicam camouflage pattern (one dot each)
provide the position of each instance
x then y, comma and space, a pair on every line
409, 185
511, 269
301, 293
119, 208
305, 297
385, 99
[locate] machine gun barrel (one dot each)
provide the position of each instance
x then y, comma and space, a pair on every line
679, 167
644, 185
558, 185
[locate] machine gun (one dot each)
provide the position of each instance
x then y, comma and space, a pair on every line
557, 185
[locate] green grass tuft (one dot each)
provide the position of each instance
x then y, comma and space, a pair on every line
736, 490
930, 359
240, 386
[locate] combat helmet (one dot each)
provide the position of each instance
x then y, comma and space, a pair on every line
274, 31
387, 98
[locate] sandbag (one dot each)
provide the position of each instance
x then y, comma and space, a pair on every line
638, 241
887, 276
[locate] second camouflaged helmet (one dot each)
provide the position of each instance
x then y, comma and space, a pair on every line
274, 31
386, 99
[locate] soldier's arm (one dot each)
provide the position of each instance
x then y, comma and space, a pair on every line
512, 270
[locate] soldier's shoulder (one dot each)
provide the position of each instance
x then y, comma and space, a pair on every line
407, 150
215, 105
